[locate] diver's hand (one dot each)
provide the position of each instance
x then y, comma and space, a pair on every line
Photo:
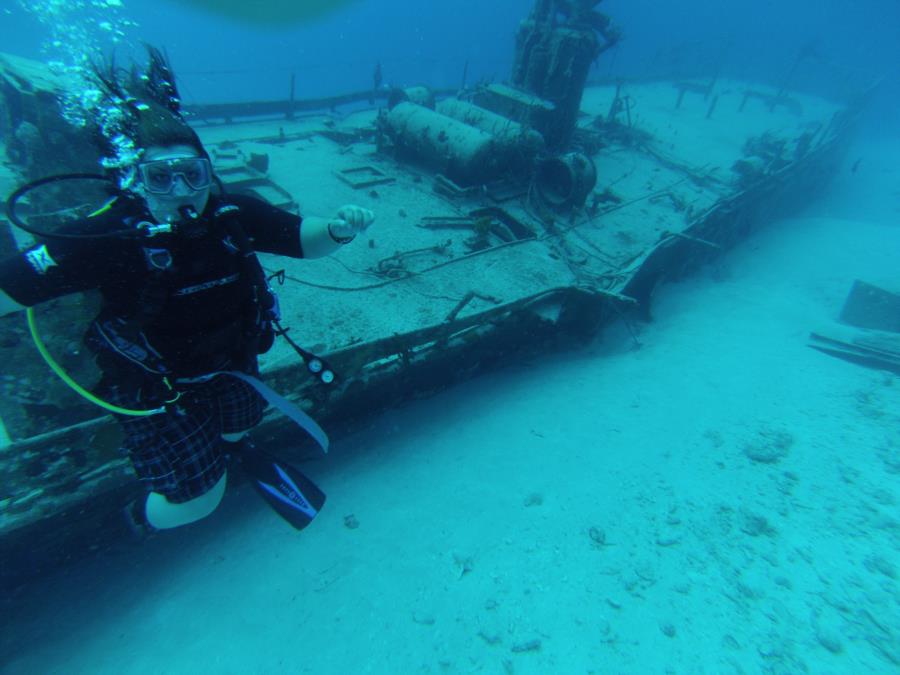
350, 221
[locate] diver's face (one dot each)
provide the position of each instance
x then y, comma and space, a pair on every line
174, 181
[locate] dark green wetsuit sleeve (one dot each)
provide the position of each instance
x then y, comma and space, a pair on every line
270, 229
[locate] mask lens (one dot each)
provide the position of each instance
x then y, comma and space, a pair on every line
195, 172
159, 176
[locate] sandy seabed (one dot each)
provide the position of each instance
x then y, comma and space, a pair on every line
705, 495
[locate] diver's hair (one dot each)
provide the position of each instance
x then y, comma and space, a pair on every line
155, 125
158, 83
149, 102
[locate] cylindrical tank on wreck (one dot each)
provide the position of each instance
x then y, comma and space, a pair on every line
464, 154
416, 94
508, 132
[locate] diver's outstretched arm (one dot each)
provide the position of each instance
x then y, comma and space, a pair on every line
323, 236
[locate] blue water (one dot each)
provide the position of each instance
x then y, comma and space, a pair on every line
478, 510
757, 40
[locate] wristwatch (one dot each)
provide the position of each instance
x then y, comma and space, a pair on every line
340, 240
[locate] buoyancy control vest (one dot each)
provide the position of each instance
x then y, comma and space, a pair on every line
118, 336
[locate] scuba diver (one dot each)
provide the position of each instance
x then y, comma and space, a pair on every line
186, 308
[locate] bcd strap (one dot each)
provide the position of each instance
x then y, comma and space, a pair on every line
291, 410
228, 216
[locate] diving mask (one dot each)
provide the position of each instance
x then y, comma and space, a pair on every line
158, 176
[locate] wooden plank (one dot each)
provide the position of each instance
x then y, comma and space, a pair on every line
874, 349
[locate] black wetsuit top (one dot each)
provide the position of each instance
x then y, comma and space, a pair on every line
187, 295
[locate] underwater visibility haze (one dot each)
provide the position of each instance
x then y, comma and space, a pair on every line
532, 336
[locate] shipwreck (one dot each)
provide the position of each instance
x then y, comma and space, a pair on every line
514, 218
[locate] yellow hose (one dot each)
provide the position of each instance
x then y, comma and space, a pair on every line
103, 207
64, 376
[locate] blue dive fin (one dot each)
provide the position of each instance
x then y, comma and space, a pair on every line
293, 496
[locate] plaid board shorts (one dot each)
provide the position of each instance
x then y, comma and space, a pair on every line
178, 453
